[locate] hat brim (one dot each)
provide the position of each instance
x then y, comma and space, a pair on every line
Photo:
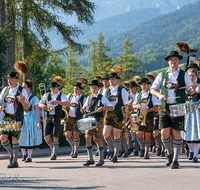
179, 56
94, 85
143, 82
192, 67
113, 77
78, 86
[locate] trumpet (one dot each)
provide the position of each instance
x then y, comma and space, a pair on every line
141, 118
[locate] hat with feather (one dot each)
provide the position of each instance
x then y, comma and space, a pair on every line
56, 82
114, 73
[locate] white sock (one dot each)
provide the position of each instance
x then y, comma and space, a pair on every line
23, 151
196, 149
30, 153
191, 147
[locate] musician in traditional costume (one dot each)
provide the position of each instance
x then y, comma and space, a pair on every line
76, 100
118, 97
196, 67
31, 133
169, 81
14, 99
55, 100
151, 105
96, 104
191, 134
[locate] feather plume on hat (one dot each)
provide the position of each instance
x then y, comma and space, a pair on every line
117, 69
21, 67
150, 76
126, 84
136, 79
198, 61
98, 77
183, 47
83, 80
57, 79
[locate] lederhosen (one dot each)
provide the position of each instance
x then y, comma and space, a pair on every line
114, 118
177, 123
149, 116
19, 111
93, 104
71, 124
53, 121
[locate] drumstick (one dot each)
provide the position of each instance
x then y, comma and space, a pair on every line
184, 87
173, 97
22, 95
91, 113
3, 109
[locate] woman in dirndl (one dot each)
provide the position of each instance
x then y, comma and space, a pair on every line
192, 121
31, 133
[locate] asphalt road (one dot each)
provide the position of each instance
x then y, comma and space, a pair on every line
129, 173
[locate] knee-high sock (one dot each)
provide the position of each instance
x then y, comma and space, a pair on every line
50, 144
141, 142
30, 151
136, 145
191, 147
168, 145
122, 145
71, 142
116, 143
147, 146
104, 145
158, 141
177, 146
110, 143
15, 152
130, 144
163, 147
23, 151
125, 145
76, 145
196, 149
90, 153
101, 153
7, 146
55, 148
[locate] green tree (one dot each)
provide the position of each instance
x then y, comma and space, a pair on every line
128, 61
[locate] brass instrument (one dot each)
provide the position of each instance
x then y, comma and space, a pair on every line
65, 116
141, 118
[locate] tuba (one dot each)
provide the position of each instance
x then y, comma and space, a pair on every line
141, 118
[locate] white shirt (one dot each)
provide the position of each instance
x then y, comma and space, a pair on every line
125, 94
134, 96
104, 101
72, 110
154, 99
104, 91
53, 97
11, 93
172, 76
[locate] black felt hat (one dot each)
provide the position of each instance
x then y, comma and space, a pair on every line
144, 80
173, 54
79, 84
113, 75
95, 82
133, 84
13, 74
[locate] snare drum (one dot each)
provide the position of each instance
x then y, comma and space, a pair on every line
134, 118
10, 125
86, 124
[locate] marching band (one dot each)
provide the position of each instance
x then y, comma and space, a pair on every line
166, 106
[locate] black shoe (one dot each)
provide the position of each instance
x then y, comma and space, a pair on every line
195, 160
72, 153
110, 155
158, 152
10, 161
97, 153
114, 159
146, 157
169, 160
125, 155
175, 165
88, 163
142, 153
13, 165
129, 151
28, 160
75, 155
135, 153
191, 155
100, 163
53, 157
183, 150
24, 157
105, 154
162, 154
120, 153
199, 151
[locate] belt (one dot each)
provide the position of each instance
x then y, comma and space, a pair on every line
10, 114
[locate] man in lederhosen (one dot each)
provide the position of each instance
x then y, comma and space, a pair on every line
151, 106
77, 100
96, 104
118, 97
57, 99
15, 103
169, 81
